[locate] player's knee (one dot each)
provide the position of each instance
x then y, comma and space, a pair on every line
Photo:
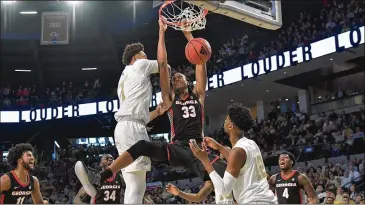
139, 149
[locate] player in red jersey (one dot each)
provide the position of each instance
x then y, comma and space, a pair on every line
289, 184
18, 185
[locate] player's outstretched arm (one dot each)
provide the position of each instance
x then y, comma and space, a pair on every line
236, 160
164, 67
200, 74
36, 193
160, 109
80, 194
201, 82
198, 197
309, 190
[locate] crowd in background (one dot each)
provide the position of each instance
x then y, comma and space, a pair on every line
25, 97
336, 17
336, 132
285, 131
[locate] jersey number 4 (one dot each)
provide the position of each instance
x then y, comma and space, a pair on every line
20, 200
285, 193
188, 111
109, 195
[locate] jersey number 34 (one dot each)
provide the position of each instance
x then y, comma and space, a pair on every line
109, 195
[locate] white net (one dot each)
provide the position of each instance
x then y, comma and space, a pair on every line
186, 17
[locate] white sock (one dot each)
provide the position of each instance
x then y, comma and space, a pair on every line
135, 187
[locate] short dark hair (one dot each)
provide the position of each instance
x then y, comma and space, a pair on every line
16, 153
130, 50
240, 116
291, 156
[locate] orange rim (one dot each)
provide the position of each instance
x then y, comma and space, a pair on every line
179, 24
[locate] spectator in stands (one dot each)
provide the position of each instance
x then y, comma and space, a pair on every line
345, 180
360, 199
358, 133
354, 174
339, 194
352, 192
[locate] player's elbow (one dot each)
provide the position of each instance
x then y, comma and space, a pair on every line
199, 198
162, 64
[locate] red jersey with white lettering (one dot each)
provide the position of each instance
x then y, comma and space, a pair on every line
18, 192
186, 118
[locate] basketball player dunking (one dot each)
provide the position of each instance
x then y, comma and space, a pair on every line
18, 185
109, 190
289, 183
186, 117
245, 174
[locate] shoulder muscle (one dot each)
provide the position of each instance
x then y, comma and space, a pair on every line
5, 183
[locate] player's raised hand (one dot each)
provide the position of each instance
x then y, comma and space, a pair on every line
201, 154
187, 32
162, 25
172, 189
210, 142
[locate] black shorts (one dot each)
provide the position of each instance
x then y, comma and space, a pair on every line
179, 155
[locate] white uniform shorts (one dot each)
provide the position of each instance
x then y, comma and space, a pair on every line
128, 133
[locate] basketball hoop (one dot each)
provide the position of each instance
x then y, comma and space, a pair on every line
184, 18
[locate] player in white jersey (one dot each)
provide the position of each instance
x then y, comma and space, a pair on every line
135, 94
245, 174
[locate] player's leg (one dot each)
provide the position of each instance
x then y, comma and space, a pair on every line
155, 150
135, 186
132, 136
128, 134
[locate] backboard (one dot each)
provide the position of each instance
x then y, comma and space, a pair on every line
263, 13
156, 3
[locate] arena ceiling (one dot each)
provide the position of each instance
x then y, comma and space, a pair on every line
100, 30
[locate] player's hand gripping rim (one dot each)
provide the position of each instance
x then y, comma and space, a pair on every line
163, 26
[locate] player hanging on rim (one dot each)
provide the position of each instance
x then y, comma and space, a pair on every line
289, 184
108, 191
186, 117
17, 186
245, 174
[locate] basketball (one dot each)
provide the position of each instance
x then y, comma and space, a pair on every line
198, 51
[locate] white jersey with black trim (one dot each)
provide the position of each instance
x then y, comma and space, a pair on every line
251, 185
135, 90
